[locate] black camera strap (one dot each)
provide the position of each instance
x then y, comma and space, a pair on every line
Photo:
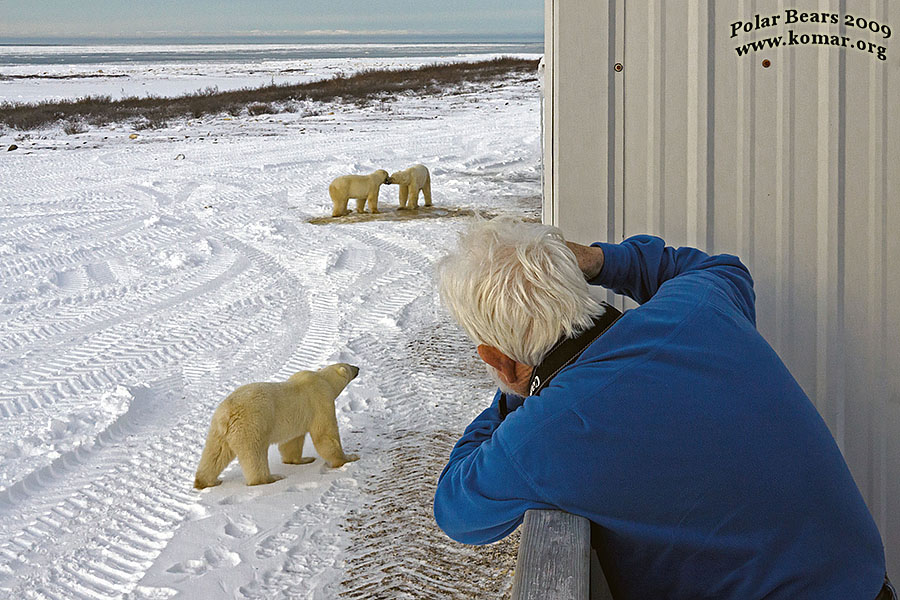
565, 352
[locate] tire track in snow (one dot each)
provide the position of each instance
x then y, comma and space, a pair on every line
45, 212
111, 346
105, 306
132, 495
397, 552
141, 411
317, 341
313, 330
115, 354
64, 501
397, 512
310, 549
120, 359
384, 287
160, 354
102, 235
91, 261
394, 548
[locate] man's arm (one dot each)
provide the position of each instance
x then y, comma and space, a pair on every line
481, 496
590, 259
641, 264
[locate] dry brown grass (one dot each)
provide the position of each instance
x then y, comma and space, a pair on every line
357, 88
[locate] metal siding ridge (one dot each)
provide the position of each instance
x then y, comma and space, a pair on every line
740, 153
878, 153
616, 158
696, 159
854, 239
615, 94
783, 214
619, 53
549, 212
887, 507
653, 141
677, 106
877, 293
661, 129
830, 392
762, 213
748, 209
709, 220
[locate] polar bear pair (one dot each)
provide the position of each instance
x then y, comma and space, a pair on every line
257, 415
365, 188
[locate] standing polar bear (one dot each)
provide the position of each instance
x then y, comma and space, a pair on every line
411, 181
362, 188
257, 415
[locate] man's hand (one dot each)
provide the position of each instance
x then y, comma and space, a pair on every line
590, 259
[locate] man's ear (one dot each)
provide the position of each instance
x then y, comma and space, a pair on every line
505, 366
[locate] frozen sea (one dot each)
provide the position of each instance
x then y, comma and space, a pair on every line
31, 73
144, 275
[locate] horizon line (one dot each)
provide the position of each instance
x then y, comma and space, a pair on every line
266, 35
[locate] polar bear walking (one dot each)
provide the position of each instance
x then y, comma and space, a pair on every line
257, 415
362, 188
411, 181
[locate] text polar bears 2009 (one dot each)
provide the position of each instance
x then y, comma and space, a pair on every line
870, 28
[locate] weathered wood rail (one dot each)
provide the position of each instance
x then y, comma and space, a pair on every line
555, 561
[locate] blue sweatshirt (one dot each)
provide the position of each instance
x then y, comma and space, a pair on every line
682, 435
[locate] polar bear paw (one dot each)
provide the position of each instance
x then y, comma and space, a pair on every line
269, 479
347, 458
201, 485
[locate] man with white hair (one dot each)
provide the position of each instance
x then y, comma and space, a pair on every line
674, 428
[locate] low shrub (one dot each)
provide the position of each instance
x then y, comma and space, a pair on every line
144, 123
73, 127
359, 88
260, 108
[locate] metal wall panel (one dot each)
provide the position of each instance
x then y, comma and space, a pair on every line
793, 166
576, 83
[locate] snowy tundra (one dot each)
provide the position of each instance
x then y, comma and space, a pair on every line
142, 280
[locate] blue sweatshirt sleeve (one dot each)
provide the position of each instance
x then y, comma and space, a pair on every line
481, 496
640, 265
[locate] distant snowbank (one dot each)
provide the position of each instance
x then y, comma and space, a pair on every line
34, 74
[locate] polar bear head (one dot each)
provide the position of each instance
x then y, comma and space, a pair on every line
399, 177
339, 374
381, 176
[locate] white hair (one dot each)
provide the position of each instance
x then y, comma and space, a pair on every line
516, 286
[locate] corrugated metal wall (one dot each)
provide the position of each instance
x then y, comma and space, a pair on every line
793, 164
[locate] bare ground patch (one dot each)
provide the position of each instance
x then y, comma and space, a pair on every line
393, 214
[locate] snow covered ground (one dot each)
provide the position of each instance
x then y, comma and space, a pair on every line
141, 280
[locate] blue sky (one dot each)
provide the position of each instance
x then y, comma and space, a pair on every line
186, 18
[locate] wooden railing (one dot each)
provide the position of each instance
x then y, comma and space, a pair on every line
555, 562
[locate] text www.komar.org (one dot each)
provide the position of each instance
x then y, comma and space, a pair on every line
792, 38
